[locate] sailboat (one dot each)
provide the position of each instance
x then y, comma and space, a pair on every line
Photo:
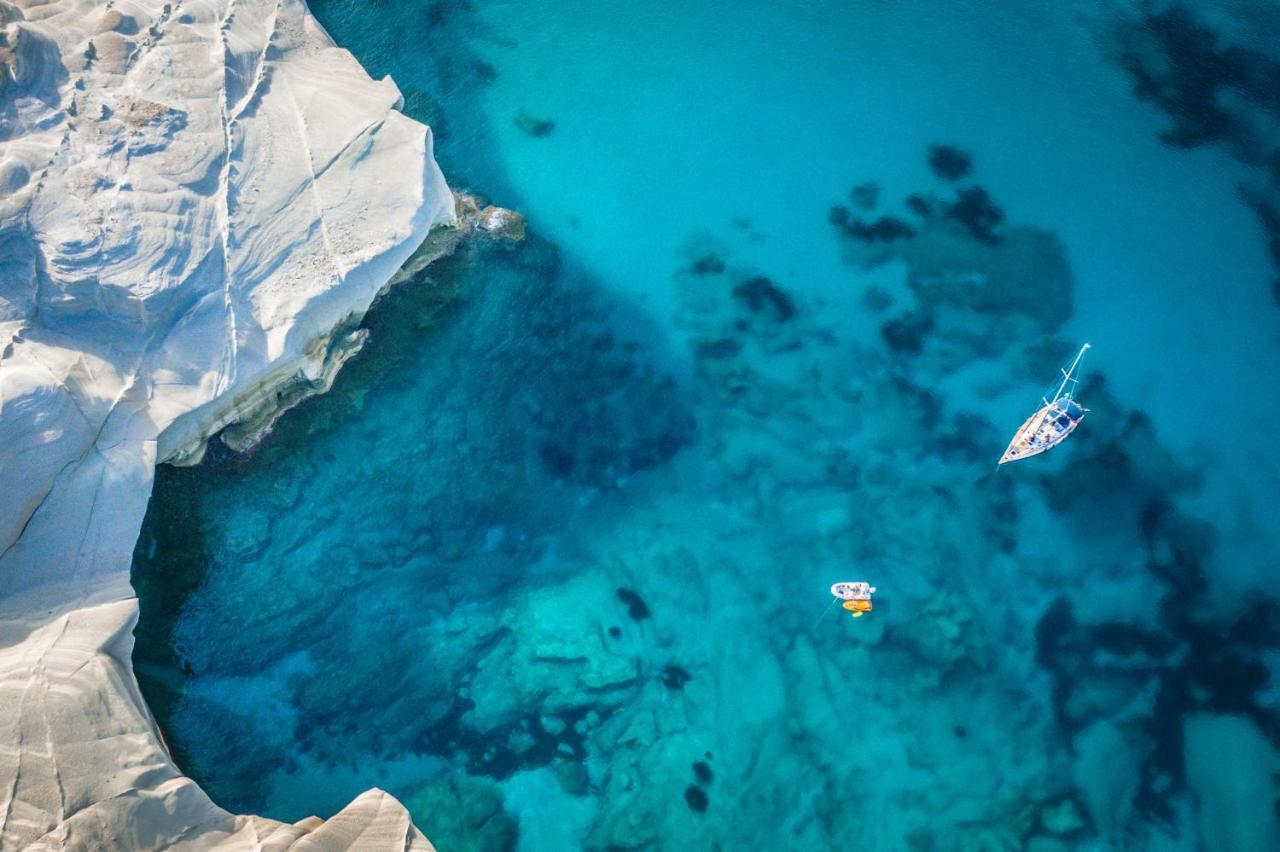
1056, 419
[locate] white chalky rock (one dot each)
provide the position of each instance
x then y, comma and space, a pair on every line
197, 201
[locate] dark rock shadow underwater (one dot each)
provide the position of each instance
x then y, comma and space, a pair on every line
1214, 92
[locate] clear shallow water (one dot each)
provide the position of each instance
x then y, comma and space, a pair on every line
549, 562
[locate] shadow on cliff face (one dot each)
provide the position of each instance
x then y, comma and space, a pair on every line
170, 562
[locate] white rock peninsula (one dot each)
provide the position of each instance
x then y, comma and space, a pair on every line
198, 201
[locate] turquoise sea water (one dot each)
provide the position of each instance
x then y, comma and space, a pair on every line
550, 562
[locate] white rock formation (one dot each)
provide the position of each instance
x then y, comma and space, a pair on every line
197, 201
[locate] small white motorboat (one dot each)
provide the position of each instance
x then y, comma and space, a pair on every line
856, 596
1055, 420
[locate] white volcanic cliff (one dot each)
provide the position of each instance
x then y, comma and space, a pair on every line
198, 198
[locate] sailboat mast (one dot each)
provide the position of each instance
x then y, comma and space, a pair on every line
1066, 377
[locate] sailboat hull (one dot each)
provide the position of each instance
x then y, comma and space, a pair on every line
1044, 430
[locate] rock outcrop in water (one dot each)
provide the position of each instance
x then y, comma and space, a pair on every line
199, 202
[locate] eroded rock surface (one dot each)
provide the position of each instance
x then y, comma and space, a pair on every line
198, 203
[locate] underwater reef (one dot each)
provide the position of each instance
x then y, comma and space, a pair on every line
1209, 71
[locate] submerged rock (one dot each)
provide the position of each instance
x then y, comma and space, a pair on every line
949, 163
573, 777
1233, 768
708, 264
761, 295
696, 798
876, 298
600, 400
865, 195
918, 205
485, 72
559, 461
1024, 273
534, 126
422, 106
636, 607
552, 659
906, 334
1176, 62
1062, 818
464, 813
674, 676
1266, 206
959, 255
1106, 771
886, 229
975, 210
945, 633
725, 347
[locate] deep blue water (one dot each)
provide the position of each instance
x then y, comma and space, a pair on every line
550, 562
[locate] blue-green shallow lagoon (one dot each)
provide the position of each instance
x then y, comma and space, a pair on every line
550, 562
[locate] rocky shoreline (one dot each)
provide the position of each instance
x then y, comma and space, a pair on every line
191, 237
243, 419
